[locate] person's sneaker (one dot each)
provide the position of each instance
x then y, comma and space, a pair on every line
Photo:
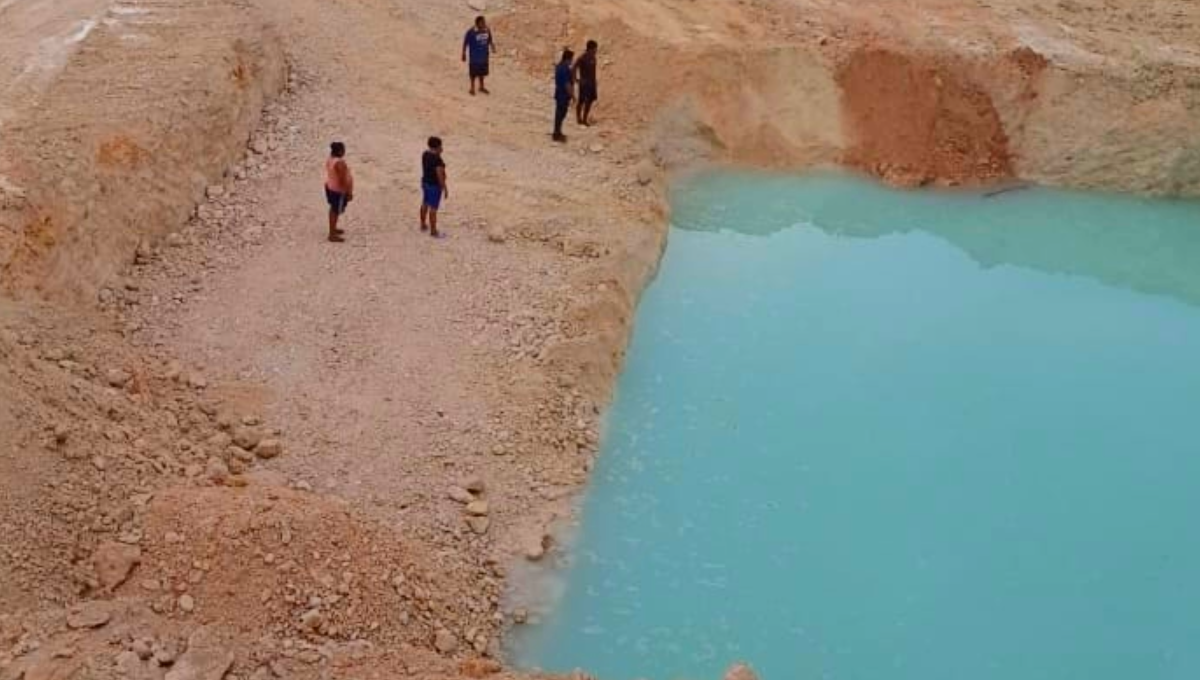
559, 138
336, 238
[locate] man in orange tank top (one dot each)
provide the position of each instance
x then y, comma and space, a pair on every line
339, 188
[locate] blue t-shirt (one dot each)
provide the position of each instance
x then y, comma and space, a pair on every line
478, 44
562, 81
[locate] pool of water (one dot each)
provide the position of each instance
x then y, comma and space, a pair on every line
872, 435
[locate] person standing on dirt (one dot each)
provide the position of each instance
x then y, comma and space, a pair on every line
564, 92
433, 186
339, 188
585, 73
478, 45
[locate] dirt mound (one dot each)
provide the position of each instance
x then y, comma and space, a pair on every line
105, 157
913, 120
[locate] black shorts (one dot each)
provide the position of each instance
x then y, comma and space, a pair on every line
337, 200
478, 69
587, 92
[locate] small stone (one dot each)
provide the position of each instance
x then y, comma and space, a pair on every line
460, 495
479, 525
596, 148
269, 448
196, 381
216, 470
312, 619
520, 615
475, 485
113, 563
246, 437
259, 146
142, 647
535, 551
187, 604
207, 658
478, 508
645, 172
89, 615
175, 240
117, 377
496, 234
444, 641
215, 191
99, 463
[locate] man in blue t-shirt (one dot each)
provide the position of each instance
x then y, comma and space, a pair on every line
479, 45
564, 92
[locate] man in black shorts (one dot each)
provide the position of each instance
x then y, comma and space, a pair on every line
478, 44
585, 74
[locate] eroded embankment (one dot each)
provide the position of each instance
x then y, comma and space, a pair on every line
156, 102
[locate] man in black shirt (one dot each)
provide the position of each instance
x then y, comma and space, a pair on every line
433, 186
585, 73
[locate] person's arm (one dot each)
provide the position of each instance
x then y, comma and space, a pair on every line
347, 180
441, 173
466, 41
492, 40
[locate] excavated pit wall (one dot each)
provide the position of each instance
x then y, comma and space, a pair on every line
118, 149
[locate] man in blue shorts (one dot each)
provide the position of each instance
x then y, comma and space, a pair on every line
433, 186
478, 44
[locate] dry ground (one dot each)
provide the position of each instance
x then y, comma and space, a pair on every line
245, 451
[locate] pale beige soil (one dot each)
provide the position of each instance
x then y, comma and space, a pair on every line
170, 301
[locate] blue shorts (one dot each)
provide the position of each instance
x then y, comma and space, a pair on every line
337, 201
432, 195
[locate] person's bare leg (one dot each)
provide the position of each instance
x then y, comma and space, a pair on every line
587, 113
579, 119
424, 217
433, 222
335, 234
482, 87
472, 85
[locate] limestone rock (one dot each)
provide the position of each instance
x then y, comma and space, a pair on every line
187, 604
475, 485
460, 495
269, 448
89, 615
246, 437
312, 619
477, 5
496, 234
478, 508
207, 658
216, 470
113, 563
117, 377
215, 191
444, 641
479, 525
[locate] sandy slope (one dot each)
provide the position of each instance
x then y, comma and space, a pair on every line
395, 371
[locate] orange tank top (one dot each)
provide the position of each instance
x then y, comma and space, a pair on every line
332, 181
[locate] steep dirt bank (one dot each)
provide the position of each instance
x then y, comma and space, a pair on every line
946, 93
431, 407
154, 101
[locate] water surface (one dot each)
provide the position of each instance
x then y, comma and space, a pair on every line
873, 435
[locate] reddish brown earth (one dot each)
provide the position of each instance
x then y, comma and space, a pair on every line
228, 449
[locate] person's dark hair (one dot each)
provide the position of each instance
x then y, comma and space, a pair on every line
435, 142
592, 45
568, 55
337, 149
479, 20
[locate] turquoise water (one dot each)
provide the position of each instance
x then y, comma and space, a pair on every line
872, 435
